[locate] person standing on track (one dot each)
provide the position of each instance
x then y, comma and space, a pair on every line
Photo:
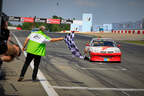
36, 48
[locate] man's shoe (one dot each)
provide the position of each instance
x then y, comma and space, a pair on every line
34, 79
20, 79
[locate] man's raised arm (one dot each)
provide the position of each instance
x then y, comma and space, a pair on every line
56, 39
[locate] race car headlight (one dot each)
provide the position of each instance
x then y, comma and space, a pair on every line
91, 50
94, 50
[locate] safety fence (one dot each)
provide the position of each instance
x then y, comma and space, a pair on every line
128, 31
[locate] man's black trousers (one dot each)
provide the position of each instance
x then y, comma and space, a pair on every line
28, 60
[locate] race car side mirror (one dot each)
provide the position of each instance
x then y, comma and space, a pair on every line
87, 44
118, 45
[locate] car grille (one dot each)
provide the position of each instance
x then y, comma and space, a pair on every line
110, 51
103, 52
107, 52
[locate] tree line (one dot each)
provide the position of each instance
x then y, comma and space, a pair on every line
49, 27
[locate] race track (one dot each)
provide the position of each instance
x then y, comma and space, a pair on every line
71, 76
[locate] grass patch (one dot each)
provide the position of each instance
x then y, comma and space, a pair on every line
141, 42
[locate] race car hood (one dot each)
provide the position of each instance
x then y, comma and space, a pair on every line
105, 49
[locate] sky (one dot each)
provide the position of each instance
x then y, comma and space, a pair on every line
103, 11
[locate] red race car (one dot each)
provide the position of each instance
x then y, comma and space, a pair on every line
102, 49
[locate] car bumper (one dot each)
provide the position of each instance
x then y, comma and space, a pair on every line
108, 57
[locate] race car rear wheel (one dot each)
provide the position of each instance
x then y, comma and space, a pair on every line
86, 58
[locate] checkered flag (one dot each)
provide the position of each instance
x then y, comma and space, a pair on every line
69, 40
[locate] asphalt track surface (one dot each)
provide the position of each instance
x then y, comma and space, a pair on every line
70, 76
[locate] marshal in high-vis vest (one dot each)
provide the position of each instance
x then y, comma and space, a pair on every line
36, 48
36, 44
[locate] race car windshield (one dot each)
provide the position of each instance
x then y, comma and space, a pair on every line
103, 43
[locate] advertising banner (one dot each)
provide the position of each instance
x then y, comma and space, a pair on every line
43, 20
77, 22
13, 18
27, 19
66, 21
53, 21
75, 27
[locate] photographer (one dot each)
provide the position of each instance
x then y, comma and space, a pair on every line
8, 50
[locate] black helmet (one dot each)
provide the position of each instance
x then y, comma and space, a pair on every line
4, 34
4, 17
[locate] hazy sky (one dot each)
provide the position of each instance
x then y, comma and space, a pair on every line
104, 11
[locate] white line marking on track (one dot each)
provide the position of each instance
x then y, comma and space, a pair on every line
98, 89
46, 85
105, 69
